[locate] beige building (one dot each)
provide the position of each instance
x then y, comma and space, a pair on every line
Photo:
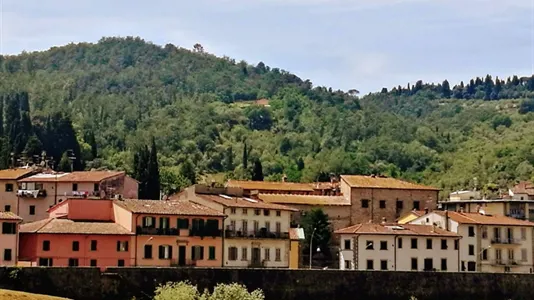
490, 243
8, 187
292, 188
395, 247
256, 234
9, 238
37, 193
374, 198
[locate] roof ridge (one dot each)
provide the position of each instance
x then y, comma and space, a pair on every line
45, 223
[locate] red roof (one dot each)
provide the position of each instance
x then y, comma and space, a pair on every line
14, 174
305, 199
377, 182
241, 202
477, 218
7, 215
271, 185
396, 229
82, 176
524, 187
160, 207
65, 226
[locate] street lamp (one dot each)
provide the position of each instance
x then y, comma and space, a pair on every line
311, 245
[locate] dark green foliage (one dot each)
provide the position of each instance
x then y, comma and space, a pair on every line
259, 118
141, 171
153, 183
445, 89
318, 220
245, 156
501, 120
187, 170
257, 172
526, 106
64, 163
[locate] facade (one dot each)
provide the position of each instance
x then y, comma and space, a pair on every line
8, 187
464, 195
172, 233
414, 214
374, 198
37, 193
256, 234
490, 243
336, 207
394, 247
9, 238
270, 187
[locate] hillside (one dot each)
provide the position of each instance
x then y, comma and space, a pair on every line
121, 92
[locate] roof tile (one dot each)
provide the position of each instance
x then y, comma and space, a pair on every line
360, 181
305, 199
477, 218
160, 207
396, 229
7, 215
82, 176
270, 185
242, 202
65, 226
14, 174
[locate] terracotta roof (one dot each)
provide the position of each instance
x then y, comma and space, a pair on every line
65, 226
305, 199
383, 183
82, 176
396, 229
159, 207
477, 218
7, 215
416, 213
244, 202
296, 234
524, 187
14, 174
270, 185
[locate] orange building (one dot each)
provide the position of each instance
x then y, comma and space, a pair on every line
9, 238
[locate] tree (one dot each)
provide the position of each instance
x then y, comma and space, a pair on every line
34, 147
318, 220
445, 89
172, 181
92, 141
141, 171
65, 163
259, 118
257, 172
526, 106
245, 156
229, 159
153, 183
222, 291
187, 170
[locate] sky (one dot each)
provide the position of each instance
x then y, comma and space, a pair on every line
344, 44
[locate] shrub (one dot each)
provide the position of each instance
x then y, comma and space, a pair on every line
186, 291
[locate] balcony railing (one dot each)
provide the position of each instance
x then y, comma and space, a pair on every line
157, 231
506, 241
179, 231
509, 262
205, 232
187, 263
81, 194
256, 234
256, 264
32, 193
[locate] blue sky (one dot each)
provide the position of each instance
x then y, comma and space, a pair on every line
362, 44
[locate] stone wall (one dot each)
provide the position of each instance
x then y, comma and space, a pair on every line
125, 283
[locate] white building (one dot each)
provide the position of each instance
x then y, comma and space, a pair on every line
490, 243
394, 247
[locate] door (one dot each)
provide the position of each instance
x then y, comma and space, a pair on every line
181, 255
256, 257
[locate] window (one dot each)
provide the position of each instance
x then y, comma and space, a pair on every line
484, 232
8, 254
73, 262
278, 227
267, 254
148, 252
382, 203
277, 254
94, 243
96, 187
257, 212
507, 269
75, 246
122, 246
471, 266
365, 203
471, 249
383, 245
429, 264
498, 254
165, 252
266, 212
197, 253
245, 211
244, 254
9, 187
45, 262
233, 210
232, 253
120, 263
369, 245
399, 243
414, 243
278, 213
497, 233
484, 254
443, 264
9, 228
429, 243
32, 210
268, 226
183, 223
383, 265
232, 225
7, 208
164, 223
416, 205
414, 264
46, 245
348, 264
523, 254
400, 205
456, 244
511, 254
444, 244
523, 234
256, 226
92, 262
245, 227
211, 253
370, 264
149, 222
347, 244
74, 187
471, 231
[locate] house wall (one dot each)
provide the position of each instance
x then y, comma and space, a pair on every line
41, 204
88, 209
262, 244
8, 198
8, 241
131, 188
294, 254
123, 217
339, 216
60, 251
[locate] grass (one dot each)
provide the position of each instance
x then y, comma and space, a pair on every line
14, 295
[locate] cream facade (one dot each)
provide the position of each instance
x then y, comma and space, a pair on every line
9, 238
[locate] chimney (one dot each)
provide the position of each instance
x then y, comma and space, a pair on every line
447, 220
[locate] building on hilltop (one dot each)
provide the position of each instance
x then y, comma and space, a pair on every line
256, 233
490, 243
395, 247
374, 198
37, 193
8, 186
9, 238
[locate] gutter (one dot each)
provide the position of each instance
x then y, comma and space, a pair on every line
395, 252
135, 248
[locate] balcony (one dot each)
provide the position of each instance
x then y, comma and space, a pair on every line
31, 193
81, 194
516, 214
178, 231
156, 231
507, 263
505, 241
205, 232
261, 234
186, 263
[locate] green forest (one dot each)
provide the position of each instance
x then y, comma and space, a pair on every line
103, 105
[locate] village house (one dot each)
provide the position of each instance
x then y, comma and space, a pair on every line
8, 186
256, 233
395, 247
374, 198
490, 243
37, 193
172, 233
251, 188
9, 238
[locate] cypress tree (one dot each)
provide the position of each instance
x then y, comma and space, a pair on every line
1, 115
92, 141
143, 175
257, 172
153, 183
229, 159
64, 164
446, 89
245, 156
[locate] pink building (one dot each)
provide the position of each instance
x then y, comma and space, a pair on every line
169, 233
9, 238
37, 193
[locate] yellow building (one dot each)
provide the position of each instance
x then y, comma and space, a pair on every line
408, 217
296, 235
